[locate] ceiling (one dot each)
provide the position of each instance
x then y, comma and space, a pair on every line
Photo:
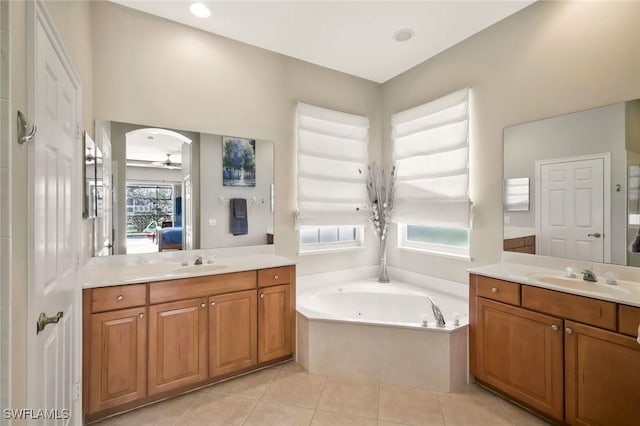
148, 145
355, 37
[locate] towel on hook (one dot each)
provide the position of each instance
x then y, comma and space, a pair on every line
239, 218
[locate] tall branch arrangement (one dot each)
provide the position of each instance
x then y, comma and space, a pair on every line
381, 191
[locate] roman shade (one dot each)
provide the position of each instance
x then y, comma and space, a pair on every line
431, 152
332, 161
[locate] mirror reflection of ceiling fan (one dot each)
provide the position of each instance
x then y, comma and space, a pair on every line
167, 164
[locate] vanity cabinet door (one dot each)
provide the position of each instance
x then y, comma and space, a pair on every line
274, 322
118, 354
602, 377
520, 353
177, 345
233, 332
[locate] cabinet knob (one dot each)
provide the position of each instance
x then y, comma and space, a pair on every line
276, 276
568, 330
202, 305
495, 290
262, 296
120, 297
554, 327
213, 303
141, 316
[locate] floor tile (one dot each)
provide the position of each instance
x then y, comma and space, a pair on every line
268, 414
164, 413
327, 418
251, 386
472, 406
409, 406
293, 387
218, 409
293, 367
350, 397
521, 417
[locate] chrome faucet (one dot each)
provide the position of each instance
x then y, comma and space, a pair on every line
198, 261
588, 275
437, 313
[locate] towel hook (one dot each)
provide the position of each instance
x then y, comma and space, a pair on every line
22, 129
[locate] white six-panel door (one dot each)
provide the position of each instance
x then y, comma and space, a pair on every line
571, 209
54, 220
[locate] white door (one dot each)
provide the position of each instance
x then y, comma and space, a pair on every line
572, 210
54, 189
106, 226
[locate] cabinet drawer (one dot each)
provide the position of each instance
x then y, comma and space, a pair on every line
577, 308
119, 297
502, 291
628, 320
274, 276
190, 288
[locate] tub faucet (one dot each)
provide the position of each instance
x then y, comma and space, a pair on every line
437, 313
588, 275
198, 261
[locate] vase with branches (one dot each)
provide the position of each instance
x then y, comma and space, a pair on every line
380, 189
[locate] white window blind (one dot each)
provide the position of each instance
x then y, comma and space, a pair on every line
431, 151
332, 150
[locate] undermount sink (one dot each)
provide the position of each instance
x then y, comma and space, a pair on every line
208, 267
577, 283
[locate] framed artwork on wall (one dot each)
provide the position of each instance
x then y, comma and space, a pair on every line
238, 161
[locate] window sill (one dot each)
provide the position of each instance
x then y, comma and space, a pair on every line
330, 250
461, 257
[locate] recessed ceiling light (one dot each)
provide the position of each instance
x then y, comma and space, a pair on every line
200, 10
403, 34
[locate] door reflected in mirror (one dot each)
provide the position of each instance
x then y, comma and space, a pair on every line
584, 173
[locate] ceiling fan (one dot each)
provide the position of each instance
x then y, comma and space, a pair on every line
168, 164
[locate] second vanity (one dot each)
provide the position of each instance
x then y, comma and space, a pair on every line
564, 347
155, 330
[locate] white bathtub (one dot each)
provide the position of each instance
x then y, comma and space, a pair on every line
371, 331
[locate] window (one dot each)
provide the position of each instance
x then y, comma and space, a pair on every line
332, 156
431, 151
315, 239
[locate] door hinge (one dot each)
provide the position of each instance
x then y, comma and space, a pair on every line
76, 391
78, 132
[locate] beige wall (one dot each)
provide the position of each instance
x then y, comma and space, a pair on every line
148, 70
548, 59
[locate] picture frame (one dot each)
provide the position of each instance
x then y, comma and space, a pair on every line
238, 162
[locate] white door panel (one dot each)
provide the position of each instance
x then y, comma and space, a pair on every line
572, 209
53, 361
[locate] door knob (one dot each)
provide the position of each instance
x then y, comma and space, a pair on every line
568, 330
213, 303
44, 320
262, 296
495, 290
595, 234
554, 327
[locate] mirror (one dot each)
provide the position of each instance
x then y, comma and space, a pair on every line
172, 189
89, 177
581, 176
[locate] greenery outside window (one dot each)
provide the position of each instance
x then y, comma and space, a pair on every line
437, 240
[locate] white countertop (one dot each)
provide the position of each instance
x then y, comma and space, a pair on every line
104, 274
625, 292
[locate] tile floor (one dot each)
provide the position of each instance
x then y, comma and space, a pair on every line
288, 395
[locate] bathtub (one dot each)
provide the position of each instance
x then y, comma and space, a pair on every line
366, 330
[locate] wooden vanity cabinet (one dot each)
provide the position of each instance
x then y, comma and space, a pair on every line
555, 352
118, 351
274, 322
145, 342
602, 371
177, 345
233, 332
520, 353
